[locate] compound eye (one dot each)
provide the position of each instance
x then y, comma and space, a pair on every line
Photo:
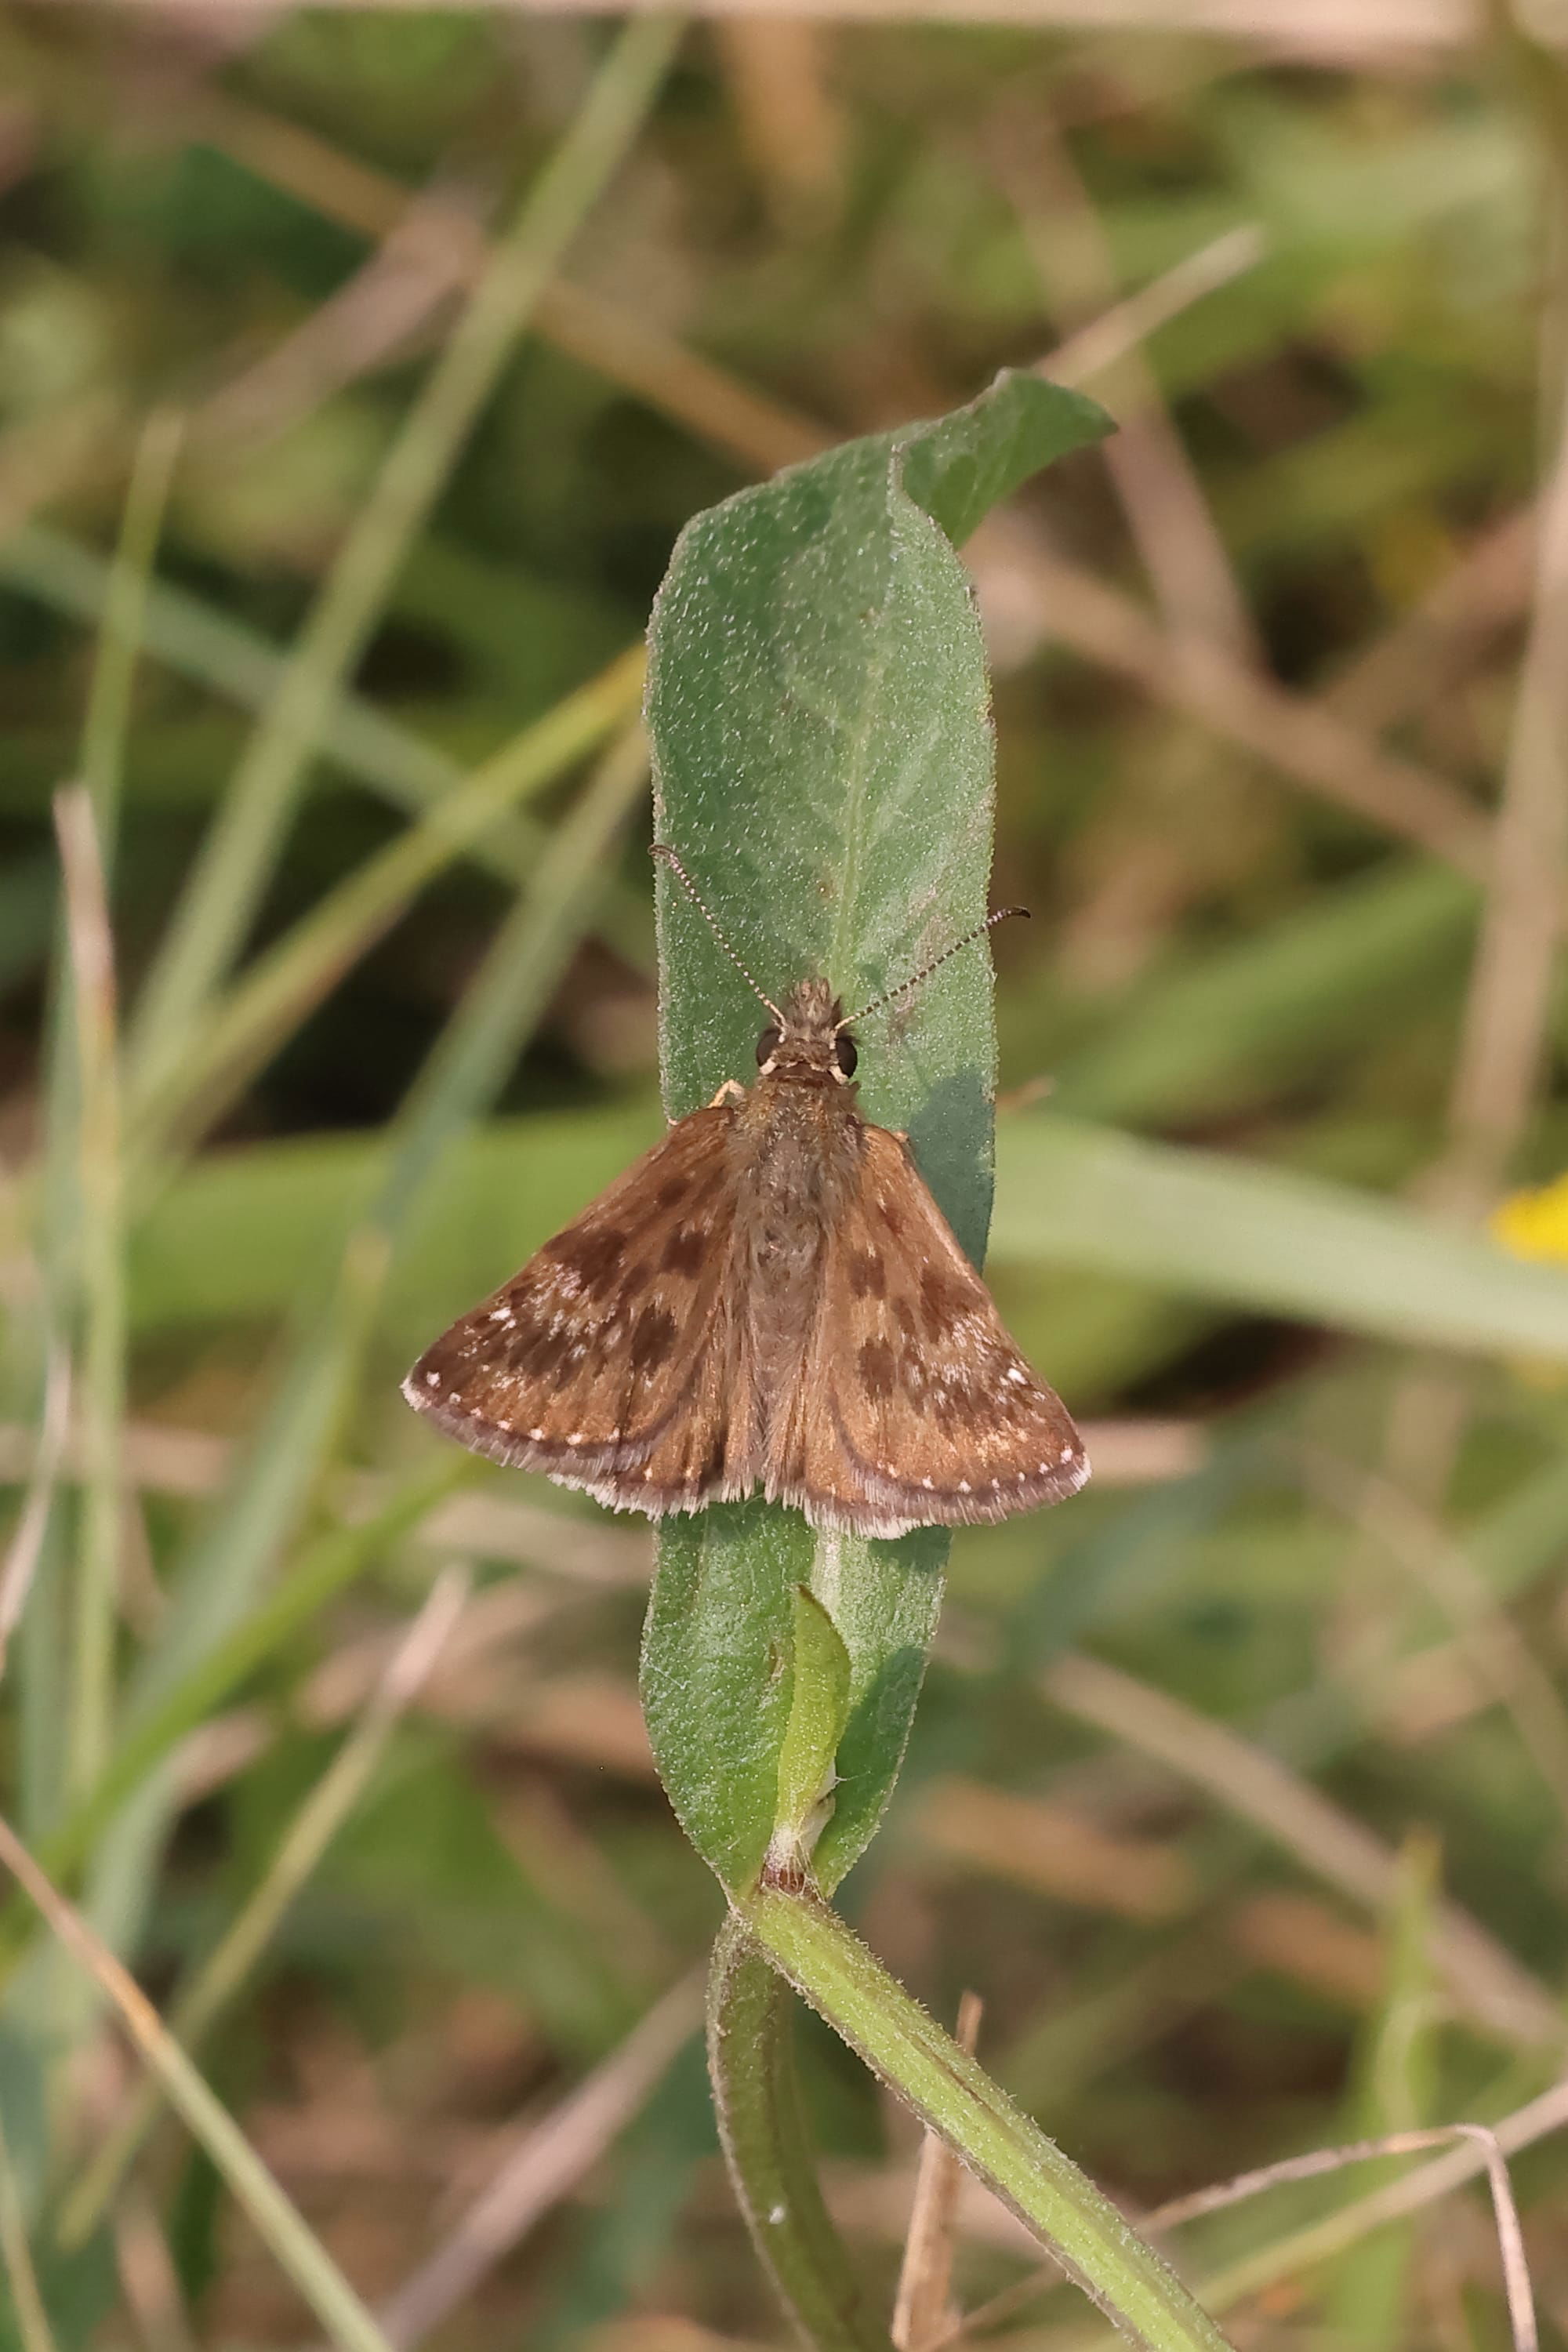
846, 1052
767, 1047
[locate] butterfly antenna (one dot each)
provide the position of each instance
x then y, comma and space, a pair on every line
892, 996
657, 849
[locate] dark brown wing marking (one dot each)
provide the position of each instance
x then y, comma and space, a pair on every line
914, 1406
610, 1361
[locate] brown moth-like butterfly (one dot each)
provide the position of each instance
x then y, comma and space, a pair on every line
768, 1298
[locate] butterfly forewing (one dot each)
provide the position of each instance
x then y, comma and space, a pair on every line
913, 1407
612, 1360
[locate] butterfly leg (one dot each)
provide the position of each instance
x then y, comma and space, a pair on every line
731, 1091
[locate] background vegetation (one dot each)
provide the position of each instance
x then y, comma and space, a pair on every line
360, 370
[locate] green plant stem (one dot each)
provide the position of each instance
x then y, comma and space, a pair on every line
811, 1945
757, 2101
237, 860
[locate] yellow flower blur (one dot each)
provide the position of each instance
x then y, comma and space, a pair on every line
1535, 1225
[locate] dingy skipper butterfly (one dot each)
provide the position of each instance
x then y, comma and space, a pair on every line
768, 1298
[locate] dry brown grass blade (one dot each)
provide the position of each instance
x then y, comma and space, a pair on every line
778, 70
1084, 355
45, 1452
1490, 1985
380, 315
1344, 30
1052, 1848
1504, 1031
165, 1458
922, 2308
547, 2165
1167, 512
1510, 2235
148, 2278
1290, 735
1488, 590
1484, 2149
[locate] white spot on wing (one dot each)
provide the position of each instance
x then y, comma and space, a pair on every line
432, 1380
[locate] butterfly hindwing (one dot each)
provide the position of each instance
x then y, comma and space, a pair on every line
913, 1407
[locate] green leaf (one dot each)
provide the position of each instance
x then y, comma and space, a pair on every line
1268, 1239
818, 710
818, 1713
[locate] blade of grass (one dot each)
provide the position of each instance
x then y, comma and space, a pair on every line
322, 1569
1070, 1193
281, 987
299, 2252
101, 1278
216, 652
1483, 2149
34, 2333
148, 2277
236, 863
1394, 2083
296, 1856
503, 1001
80, 1235
123, 623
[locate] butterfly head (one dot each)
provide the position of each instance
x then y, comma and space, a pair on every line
809, 1038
